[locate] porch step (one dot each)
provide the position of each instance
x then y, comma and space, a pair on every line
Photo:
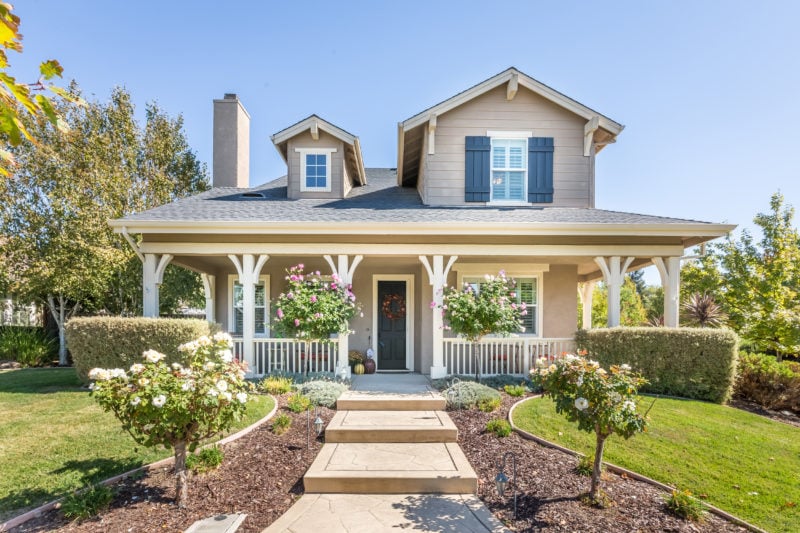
376, 401
391, 426
391, 468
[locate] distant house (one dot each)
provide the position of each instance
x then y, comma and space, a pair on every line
500, 176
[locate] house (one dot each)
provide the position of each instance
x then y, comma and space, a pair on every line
500, 176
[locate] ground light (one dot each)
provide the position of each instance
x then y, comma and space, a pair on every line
501, 479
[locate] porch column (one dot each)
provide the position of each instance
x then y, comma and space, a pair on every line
670, 271
249, 269
153, 266
437, 276
586, 293
613, 269
210, 289
344, 272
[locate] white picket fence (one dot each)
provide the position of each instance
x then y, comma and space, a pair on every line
288, 355
502, 355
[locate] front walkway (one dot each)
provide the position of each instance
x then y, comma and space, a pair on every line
390, 461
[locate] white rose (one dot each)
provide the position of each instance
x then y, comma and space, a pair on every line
187, 385
152, 356
227, 356
222, 385
188, 347
241, 397
118, 373
99, 374
209, 365
629, 406
213, 392
222, 337
225, 395
581, 403
203, 341
159, 400
625, 367
136, 401
137, 368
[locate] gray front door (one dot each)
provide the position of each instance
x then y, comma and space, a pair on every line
392, 314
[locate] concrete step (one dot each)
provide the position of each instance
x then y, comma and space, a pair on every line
391, 426
376, 401
391, 468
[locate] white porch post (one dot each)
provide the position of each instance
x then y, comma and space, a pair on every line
153, 267
437, 276
670, 271
613, 269
345, 274
210, 288
586, 293
249, 270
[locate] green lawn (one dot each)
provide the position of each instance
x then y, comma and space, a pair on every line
54, 438
743, 463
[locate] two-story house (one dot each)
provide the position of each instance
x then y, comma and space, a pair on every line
500, 176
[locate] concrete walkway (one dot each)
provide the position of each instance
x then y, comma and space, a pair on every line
390, 461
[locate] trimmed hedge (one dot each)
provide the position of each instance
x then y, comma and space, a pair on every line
114, 342
769, 383
697, 363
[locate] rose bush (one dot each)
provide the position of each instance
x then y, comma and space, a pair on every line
176, 406
598, 400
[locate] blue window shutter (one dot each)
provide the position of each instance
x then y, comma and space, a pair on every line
540, 169
477, 165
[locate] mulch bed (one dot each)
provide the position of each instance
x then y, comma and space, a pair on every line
784, 416
261, 476
549, 490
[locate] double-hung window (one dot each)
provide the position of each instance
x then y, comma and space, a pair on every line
509, 169
315, 169
526, 290
261, 307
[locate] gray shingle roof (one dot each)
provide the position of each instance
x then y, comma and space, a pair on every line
381, 200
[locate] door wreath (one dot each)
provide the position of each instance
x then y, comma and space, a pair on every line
394, 307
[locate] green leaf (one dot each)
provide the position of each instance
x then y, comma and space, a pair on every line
50, 69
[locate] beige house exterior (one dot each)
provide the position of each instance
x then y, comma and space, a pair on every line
500, 176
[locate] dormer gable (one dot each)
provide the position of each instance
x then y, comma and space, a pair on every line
323, 160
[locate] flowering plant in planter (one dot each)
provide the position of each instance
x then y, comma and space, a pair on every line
598, 400
312, 308
491, 309
176, 405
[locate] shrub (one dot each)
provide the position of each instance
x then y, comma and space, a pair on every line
27, 346
467, 394
276, 384
768, 382
281, 423
501, 428
297, 403
585, 465
694, 363
173, 405
489, 405
87, 503
515, 390
683, 504
114, 342
324, 393
208, 459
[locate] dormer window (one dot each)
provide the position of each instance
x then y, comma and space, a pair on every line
509, 166
315, 169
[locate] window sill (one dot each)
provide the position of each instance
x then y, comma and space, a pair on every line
508, 203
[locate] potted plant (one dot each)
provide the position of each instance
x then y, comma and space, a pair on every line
355, 357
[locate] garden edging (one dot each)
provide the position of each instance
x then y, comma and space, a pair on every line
619, 470
33, 513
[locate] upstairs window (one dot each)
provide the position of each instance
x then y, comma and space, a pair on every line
315, 169
509, 170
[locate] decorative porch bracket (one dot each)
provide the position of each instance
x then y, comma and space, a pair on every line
670, 271
614, 270
249, 270
210, 289
345, 274
586, 293
153, 268
437, 276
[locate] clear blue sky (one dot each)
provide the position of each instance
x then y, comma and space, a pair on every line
709, 91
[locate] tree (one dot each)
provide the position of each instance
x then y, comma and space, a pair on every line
632, 312
67, 186
176, 406
474, 312
17, 101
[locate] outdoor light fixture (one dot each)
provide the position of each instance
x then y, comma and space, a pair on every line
501, 479
319, 425
453, 393
343, 374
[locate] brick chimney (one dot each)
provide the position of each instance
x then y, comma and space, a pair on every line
231, 143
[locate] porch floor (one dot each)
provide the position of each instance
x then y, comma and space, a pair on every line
392, 383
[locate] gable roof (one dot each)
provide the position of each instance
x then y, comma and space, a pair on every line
514, 78
314, 123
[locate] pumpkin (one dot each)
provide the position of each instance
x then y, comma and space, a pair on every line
358, 369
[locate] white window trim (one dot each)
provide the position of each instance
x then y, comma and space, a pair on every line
515, 136
264, 279
315, 151
535, 271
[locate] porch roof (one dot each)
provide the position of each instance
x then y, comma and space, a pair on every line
381, 202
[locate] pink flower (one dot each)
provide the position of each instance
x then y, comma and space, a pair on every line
280, 313
313, 298
290, 296
513, 306
334, 286
296, 322
301, 266
293, 277
433, 305
316, 273
317, 315
523, 313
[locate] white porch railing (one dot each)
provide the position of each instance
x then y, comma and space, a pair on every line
502, 355
287, 355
